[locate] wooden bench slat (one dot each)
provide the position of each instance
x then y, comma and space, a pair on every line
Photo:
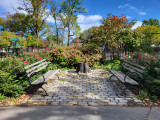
34, 64
121, 76
131, 70
132, 67
34, 68
136, 65
38, 70
48, 75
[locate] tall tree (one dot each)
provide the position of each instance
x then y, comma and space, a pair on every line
110, 30
38, 11
55, 13
90, 36
5, 38
15, 23
151, 33
154, 22
69, 9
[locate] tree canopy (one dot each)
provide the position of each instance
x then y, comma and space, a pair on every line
151, 21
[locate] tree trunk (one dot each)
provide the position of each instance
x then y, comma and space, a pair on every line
68, 34
83, 68
86, 68
57, 34
80, 68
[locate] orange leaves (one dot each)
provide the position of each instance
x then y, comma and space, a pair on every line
115, 21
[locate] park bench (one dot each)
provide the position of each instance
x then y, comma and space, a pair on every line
35, 68
127, 69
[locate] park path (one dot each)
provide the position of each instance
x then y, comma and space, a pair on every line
84, 89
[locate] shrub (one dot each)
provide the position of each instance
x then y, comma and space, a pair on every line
143, 94
71, 56
152, 80
10, 85
107, 64
12, 75
153, 84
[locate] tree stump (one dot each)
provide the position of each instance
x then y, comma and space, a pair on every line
83, 68
86, 68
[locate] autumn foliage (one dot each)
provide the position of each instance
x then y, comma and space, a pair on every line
71, 56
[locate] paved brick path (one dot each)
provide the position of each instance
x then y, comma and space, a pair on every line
84, 89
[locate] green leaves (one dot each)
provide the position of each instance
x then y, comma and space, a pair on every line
151, 21
150, 33
10, 86
32, 41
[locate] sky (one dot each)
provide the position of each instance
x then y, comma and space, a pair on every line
98, 9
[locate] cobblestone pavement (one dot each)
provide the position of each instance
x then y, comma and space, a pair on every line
84, 89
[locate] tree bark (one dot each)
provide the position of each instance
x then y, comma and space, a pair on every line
86, 68
80, 68
83, 68
68, 34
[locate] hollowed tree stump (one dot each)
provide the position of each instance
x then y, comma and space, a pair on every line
83, 68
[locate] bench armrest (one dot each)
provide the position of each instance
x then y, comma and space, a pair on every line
34, 73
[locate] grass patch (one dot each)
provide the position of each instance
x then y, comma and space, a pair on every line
61, 79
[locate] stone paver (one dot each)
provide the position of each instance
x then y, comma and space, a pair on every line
84, 89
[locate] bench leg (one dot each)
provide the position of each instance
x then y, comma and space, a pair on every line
124, 92
44, 91
57, 76
111, 77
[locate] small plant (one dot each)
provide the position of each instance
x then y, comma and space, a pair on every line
95, 66
60, 50
143, 94
154, 97
2, 97
65, 68
61, 79
68, 48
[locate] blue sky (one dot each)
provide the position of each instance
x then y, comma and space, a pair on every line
133, 9
98, 9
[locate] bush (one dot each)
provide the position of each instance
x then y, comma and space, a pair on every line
10, 85
152, 81
71, 56
153, 84
107, 64
13, 80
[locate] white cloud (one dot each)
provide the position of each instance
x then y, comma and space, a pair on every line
8, 5
140, 12
137, 24
88, 21
128, 17
50, 19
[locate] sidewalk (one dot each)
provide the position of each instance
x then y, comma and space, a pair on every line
89, 89
78, 113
